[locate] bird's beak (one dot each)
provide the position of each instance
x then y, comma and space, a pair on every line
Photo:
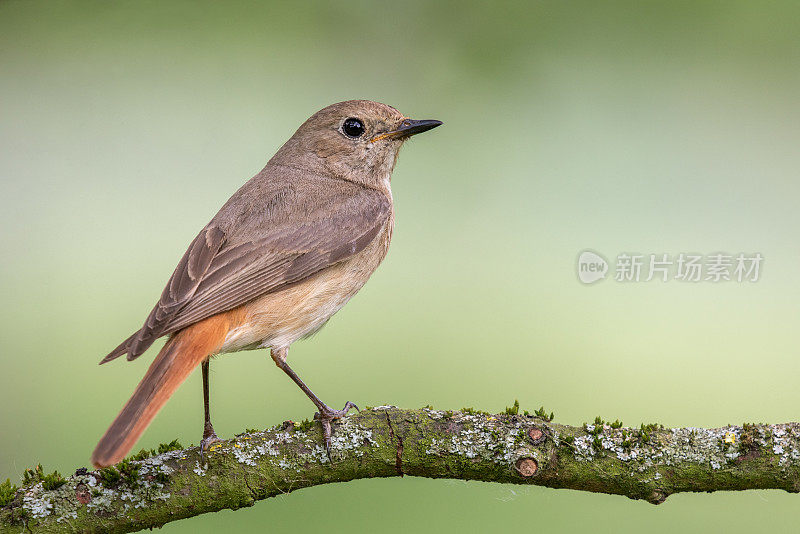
408, 128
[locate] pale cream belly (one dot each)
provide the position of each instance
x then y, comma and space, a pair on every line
279, 319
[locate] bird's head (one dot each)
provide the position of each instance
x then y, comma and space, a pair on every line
357, 140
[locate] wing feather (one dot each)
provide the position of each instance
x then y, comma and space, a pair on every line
221, 271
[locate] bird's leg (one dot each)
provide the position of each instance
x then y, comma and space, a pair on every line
326, 414
209, 436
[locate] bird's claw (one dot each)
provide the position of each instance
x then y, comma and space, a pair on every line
209, 438
326, 415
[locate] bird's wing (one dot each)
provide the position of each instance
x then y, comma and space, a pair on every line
220, 272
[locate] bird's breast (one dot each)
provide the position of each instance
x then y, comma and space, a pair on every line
279, 319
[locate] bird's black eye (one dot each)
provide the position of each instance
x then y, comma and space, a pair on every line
353, 127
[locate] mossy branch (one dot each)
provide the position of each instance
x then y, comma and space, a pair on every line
649, 462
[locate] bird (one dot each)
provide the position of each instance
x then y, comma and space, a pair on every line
281, 256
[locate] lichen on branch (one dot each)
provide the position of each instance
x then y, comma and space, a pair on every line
649, 462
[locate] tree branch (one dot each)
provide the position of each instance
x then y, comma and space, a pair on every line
648, 463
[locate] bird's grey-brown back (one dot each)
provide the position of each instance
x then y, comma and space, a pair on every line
318, 164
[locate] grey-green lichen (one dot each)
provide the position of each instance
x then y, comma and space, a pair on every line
649, 462
490, 438
715, 447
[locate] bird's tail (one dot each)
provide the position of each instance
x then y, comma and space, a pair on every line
182, 353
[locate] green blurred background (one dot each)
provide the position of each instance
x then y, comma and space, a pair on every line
650, 127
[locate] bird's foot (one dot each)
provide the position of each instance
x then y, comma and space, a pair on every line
326, 415
209, 438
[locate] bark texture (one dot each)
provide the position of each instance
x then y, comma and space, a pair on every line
648, 463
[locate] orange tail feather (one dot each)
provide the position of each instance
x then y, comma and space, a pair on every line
176, 361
